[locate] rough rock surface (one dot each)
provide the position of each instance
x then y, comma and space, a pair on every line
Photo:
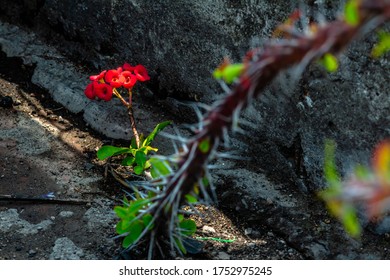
181, 43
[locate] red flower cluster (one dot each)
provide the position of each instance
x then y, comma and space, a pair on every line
102, 85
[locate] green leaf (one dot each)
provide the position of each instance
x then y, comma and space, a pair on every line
383, 45
330, 169
179, 244
229, 72
149, 148
148, 140
330, 62
147, 220
187, 227
350, 221
134, 233
134, 142
191, 198
351, 13
121, 212
128, 161
160, 168
138, 170
140, 158
120, 228
204, 146
109, 151
147, 164
362, 172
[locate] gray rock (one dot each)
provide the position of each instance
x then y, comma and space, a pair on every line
383, 226
223, 256
66, 214
10, 221
65, 249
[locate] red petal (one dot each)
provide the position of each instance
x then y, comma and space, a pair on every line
98, 77
141, 73
129, 79
89, 91
113, 78
128, 67
103, 91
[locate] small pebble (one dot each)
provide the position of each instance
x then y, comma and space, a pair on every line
248, 231
66, 214
207, 229
223, 256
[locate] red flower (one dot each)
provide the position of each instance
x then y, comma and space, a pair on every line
141, 73
103, 91
114, 78
98, 77
128, 67
129, 79
90, 91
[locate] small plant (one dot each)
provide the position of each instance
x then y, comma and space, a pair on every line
111, 83
136, 155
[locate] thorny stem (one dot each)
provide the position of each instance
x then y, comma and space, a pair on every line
129, 106
262, 68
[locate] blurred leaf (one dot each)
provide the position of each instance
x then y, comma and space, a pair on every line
351, 12
330, 170
191, 198
109, 151
383, 45
148, 140
362, 172
381, 162
350, 221
160, 168
204, 146
330, 62
229, 72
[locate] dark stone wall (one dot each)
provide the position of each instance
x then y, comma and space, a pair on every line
181, 42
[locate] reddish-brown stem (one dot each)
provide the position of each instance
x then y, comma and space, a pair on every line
129, 106
133, 125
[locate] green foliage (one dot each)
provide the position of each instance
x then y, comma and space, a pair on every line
330, 62
383, 46
204, 146
343, 210
133, 223
229, 73
351, 13
136, 220
136, 156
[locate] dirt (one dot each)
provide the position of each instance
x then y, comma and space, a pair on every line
35, 228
